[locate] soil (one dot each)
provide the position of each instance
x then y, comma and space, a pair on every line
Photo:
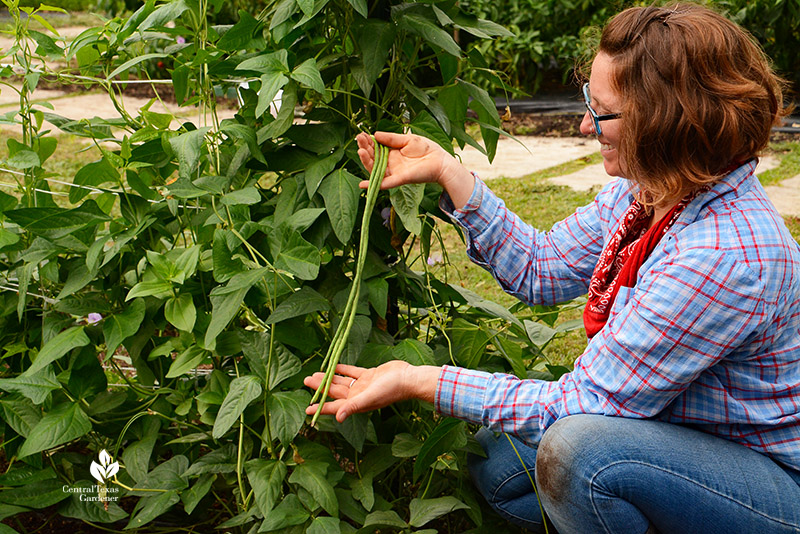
536, 124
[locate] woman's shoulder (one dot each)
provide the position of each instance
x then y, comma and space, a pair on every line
736, 219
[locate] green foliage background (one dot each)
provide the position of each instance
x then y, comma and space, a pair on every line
167, 306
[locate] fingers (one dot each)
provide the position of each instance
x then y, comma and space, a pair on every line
353, 371
393, 140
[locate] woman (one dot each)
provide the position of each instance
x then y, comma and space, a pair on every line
683, 413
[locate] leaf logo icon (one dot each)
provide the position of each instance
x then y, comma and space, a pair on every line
105, 469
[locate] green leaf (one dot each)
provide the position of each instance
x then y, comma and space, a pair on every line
243, 391
36, 387
57, 347
469, 343
319, 169
311, 476
225, 265
540, 334
92, 174
166, 476
360, 6
414, 352
222, 460
226, 301
22, 475
187, 360
266, 478
301, 302
240, 34
324, 525
307, 74
406, 200
150, 288
149, 508
287, 411
492, 308
247, 196
512, 352
405, 446
188, 147
20, 414
444, 438
387, 519
363, 491
306, 6
423, 511
425, 125
303, 218
135, 61
24, 159
299, 257
40, 494
192, 497
54, 223
289, 512
285, 118
378, 294
273, 62
163, 14
61, 425
180, 311
284, 365
136, 456
430, 31
118, 327
375, 39
7, 238
340, 193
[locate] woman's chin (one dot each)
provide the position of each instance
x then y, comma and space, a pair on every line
612, 168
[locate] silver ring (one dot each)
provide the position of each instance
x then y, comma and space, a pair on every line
353, 382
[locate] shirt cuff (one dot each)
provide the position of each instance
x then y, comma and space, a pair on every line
460, 393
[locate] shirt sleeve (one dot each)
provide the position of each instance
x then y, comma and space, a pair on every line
683, 318
536, 267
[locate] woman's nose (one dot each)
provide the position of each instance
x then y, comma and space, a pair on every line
587, 126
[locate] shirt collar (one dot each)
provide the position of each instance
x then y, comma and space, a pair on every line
734, 184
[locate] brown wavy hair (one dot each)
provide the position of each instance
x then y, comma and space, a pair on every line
698, 95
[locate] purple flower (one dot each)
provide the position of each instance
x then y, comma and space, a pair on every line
434, 258
181, 39
94, 318
385, 214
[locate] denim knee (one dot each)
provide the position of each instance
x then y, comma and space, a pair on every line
558, 461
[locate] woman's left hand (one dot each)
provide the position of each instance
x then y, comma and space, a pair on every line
356, 389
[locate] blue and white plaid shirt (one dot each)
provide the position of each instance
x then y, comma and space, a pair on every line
709, 337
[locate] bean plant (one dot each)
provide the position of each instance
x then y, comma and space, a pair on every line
159, 312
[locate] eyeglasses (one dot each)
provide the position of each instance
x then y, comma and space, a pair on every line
587, 98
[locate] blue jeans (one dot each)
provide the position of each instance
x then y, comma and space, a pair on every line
598, 474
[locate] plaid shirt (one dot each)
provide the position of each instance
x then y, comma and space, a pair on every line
709, 337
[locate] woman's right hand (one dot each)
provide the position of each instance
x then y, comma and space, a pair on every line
415, 159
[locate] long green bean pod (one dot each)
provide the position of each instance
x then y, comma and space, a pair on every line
348, 317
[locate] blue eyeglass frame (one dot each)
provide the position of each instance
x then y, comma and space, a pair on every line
587, 99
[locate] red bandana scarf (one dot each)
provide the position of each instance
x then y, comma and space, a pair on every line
621, 259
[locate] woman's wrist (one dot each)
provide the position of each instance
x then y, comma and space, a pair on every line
422, 381
457, 181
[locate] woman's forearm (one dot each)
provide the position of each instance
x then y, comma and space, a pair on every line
422, 381
458, 182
